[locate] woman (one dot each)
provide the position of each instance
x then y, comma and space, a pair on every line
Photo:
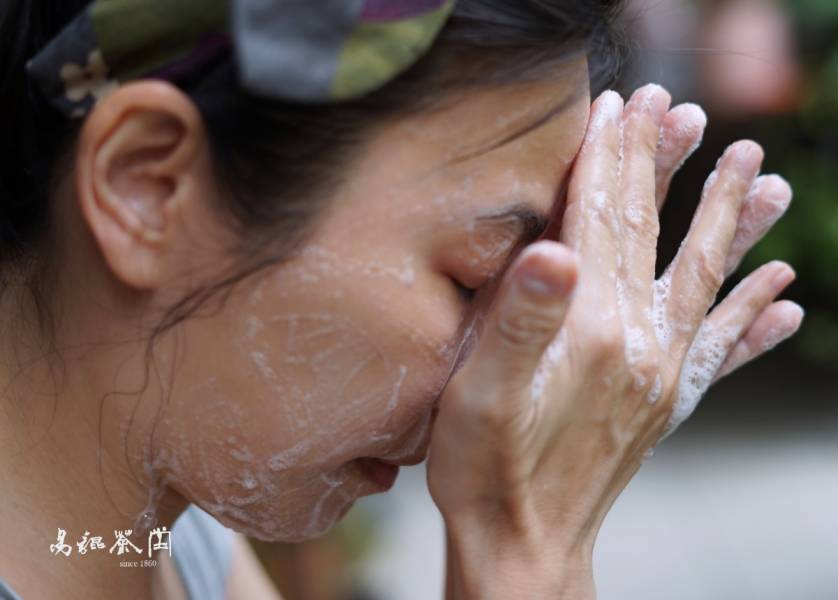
261, 297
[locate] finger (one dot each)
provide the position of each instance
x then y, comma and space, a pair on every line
766, 202
591, 225
531, 308
720, 332
681, 134
642, 120
697, 271
592, 185
776, 323
749, 298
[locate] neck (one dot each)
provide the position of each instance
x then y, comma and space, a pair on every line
76, 428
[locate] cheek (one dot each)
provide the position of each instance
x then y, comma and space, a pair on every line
358, 358
272, 499
292, 381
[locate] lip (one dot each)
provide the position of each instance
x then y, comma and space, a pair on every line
405, 462
379, 471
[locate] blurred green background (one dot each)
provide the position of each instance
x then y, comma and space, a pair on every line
803, 145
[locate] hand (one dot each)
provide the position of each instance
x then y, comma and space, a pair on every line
538, 433
751, 302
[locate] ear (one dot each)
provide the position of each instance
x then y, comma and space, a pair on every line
139, 166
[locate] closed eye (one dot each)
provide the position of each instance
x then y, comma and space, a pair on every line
467, 294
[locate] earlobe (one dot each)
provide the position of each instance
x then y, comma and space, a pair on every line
136, 171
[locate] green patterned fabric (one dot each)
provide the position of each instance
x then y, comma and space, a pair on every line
299, 50
376, 50
138, 36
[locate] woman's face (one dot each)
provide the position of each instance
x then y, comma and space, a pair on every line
341, 351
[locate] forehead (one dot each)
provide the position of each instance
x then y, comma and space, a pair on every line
510, 143
477, 123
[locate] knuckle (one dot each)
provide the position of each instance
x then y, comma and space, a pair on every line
468, 408
640, 219
521, 328
646, 377
602, 209
489, 415
709, 268
659, 395
606, 343
500, 415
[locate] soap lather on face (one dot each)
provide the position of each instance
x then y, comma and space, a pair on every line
340, 353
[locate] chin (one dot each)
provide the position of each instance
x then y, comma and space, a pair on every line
312, 523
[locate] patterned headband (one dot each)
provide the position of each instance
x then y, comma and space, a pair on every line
298, 50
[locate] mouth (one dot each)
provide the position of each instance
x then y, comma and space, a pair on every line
380, 472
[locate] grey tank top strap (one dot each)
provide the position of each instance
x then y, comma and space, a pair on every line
7, 593
202, 550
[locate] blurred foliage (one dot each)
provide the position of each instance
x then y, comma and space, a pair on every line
804, 148
810, 12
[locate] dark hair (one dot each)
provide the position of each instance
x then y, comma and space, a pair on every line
278, 159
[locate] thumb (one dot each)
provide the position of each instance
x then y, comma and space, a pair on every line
531, 309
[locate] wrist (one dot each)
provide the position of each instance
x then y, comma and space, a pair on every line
489, 566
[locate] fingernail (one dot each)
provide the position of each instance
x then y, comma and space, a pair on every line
539, 276
782, 278
694, 117
776, 190
653, 100
785, 329
797, 315
611, 105
607, 109
748, 157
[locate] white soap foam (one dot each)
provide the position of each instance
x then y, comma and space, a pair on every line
704, 358
655, 391
660, 296
394, 396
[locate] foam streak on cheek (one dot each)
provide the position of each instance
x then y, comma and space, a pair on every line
312, 527
394, 396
